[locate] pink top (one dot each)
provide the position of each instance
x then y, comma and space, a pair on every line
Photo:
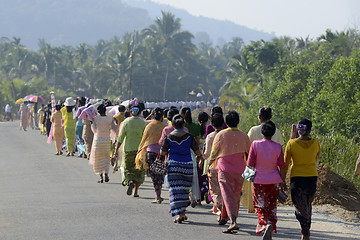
267, 156
154, 148
233, 163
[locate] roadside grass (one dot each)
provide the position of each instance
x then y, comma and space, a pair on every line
340, 154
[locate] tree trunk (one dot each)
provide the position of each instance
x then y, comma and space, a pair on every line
165, 82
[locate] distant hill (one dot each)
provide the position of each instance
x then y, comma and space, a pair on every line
217, 30
70, 22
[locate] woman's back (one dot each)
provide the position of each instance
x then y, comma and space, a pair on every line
179, 146
303, 155
267, 156
102, 126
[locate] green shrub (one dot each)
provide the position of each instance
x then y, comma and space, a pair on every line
340, 153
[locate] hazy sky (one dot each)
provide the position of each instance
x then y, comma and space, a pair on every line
283, 17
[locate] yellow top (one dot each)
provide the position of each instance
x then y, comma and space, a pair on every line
303, 156
119, 117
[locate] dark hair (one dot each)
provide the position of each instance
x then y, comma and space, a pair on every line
58, 107
306, 122
232, 119
69, 108
186, 112
172, 112
82, 101
265, 113
203, 117
165, 113
101, 109
268, 129
141, 106
216, 109
121, 108
146, 113
107, 102
217, 120
158, 113
178, 121
127, 114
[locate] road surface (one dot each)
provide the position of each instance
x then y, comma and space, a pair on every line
44, 196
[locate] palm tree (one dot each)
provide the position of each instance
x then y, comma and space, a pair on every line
175, 43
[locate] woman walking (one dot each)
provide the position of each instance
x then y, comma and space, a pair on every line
217, 122
58, 131
69, 125
178, 145
302, 153
267, 157
24, 115
47, 119
87, 115
227, 155
131, 132
100, 150
200, 183
80, 144
149, 149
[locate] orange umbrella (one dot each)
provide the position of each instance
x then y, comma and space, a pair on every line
36, 99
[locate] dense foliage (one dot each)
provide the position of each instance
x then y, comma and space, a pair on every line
298, 78
157, 63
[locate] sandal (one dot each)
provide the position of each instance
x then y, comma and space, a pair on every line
136, 195
178, 220
68, 154
229, 231
101, 180
267, 232
106, 177
158, 201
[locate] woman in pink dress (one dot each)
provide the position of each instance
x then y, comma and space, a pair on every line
229, 150
267, 157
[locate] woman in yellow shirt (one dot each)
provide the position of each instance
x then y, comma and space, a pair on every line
302, 153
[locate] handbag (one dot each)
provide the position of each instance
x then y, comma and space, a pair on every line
159, 166
249, 174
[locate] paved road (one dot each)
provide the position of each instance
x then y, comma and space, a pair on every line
43, 196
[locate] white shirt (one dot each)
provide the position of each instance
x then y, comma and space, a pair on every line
7, 108
255, 134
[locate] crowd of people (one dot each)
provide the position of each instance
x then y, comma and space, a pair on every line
204, 161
